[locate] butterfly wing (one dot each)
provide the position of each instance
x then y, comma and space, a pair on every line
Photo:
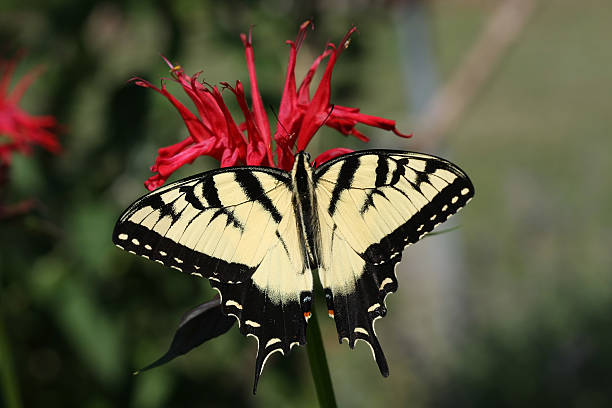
371, 204
236, 227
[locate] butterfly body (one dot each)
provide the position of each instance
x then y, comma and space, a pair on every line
258, 234
305, 205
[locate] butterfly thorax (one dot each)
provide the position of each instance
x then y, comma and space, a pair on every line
305, 205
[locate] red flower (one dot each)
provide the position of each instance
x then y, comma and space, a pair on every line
214, 132
20, 128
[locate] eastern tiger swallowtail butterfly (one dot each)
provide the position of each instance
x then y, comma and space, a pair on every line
258, 234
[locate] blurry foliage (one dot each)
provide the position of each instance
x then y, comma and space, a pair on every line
543, 364
78, 316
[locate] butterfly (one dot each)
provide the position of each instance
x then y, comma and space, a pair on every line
259, 233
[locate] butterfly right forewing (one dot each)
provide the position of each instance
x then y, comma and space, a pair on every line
371, 204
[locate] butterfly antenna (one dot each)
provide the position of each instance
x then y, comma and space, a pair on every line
285, 129
328, 115
278, 120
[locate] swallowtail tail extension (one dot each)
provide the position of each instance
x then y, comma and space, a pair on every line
259, 233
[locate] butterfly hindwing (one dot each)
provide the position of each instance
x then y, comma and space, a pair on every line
236, 227
371, 204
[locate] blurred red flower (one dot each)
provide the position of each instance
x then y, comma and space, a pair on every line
19, 130
215, 133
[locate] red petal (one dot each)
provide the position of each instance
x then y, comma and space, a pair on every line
5, 77
284, 153
224, 140
330, 154
196, 128
235, 138
288, 101
319, 106
154, 182
289, 115
352, 114
209, 111
171, 150
6, 153
261, 119
359, 135
304, 91
23, 85
346, 127
210, 114
167, 164
19, 127
258, 154
230, 158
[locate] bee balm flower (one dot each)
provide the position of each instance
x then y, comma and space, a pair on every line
214, 132
19, 130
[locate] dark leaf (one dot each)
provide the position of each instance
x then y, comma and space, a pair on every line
200, 324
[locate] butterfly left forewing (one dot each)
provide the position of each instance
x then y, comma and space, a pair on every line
371, 204
237, 228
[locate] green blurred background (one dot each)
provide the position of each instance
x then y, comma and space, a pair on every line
510, 310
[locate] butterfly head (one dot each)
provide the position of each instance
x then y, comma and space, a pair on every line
303, 154
302, 169
302, 159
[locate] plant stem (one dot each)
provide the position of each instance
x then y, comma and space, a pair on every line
318, 364
8, 382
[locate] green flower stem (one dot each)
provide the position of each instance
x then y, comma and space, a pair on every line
318, 364
8, 382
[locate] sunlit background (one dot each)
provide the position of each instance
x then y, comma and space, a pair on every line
512, 308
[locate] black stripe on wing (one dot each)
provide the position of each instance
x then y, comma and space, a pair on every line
243, 176
345, 178
356, 311
253, 189
446, 203
276, 326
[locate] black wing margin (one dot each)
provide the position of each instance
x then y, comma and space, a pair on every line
233, 226
372, 204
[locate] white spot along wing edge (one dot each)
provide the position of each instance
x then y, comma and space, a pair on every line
237, 227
